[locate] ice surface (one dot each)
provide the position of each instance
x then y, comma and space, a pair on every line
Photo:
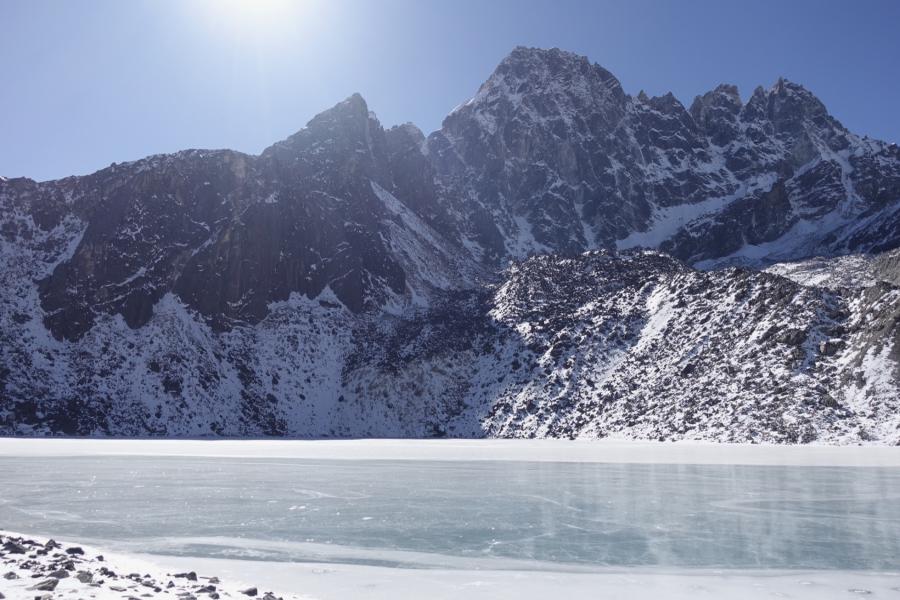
465, 515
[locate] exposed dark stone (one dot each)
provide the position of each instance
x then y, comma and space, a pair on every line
13, 547
47, 585
85, 576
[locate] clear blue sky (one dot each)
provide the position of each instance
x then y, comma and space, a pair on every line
85, 83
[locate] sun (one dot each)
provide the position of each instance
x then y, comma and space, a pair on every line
254, 18
256, 12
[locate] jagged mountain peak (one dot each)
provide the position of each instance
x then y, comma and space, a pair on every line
408, 131
728, 89
667, 103
788, 106
717, 111
536, 84
354, 106
349, 118
724, 95
228, 235
787, 92
527, 63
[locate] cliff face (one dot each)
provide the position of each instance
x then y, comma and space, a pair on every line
230, 233
353, 280
552, 156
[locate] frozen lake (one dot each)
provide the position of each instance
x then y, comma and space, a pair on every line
463, 514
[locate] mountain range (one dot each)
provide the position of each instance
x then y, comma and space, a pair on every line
560, 259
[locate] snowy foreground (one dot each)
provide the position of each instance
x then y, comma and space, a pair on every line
45, 568
265, 565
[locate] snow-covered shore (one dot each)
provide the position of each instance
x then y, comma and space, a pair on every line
45, 569
542, 450
358, 582
101, 575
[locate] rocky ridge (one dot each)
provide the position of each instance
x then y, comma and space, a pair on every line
354, 280
551, 155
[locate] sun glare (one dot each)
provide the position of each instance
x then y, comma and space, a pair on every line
255, 11
255, 17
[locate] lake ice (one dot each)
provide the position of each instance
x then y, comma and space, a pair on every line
497, 515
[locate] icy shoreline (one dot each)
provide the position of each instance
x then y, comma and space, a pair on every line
158, 576
45, 569
343, 582
544, 450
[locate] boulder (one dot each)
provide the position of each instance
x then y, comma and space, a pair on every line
47, 585
13, 547
85, 576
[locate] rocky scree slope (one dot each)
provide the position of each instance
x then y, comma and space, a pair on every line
351, 280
